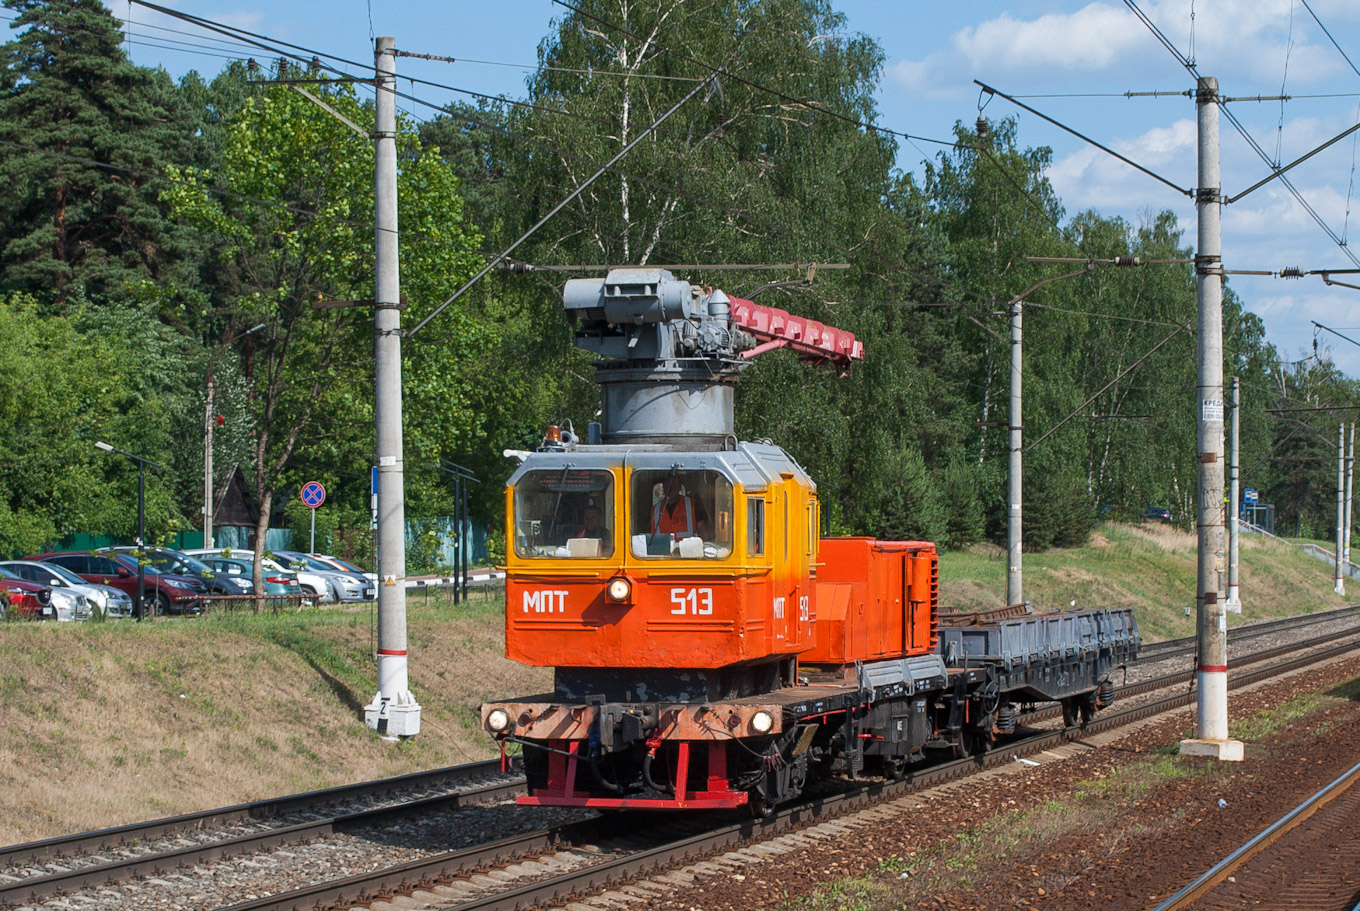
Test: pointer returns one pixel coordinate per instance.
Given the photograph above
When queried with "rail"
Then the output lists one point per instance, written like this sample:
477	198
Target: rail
406	878
1290	821
86	842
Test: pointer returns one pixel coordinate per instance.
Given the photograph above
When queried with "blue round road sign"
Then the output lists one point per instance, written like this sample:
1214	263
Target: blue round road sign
313	494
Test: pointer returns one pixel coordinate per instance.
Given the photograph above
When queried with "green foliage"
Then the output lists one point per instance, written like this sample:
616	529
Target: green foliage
86	133
98	374
133	290
309	370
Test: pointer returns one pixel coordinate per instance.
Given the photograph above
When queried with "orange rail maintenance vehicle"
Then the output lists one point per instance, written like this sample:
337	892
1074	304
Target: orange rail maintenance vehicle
710	649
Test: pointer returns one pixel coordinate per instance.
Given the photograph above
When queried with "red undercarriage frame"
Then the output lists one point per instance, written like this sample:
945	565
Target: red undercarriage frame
562	764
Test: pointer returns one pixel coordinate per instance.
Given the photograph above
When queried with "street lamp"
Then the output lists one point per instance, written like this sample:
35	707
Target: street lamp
208	424
141	513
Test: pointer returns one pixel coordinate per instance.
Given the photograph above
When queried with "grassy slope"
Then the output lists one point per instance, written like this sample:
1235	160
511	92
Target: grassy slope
110	723
1148	567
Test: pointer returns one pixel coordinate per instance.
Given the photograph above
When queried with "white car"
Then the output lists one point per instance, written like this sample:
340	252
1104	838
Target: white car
311	583
72	597
346	567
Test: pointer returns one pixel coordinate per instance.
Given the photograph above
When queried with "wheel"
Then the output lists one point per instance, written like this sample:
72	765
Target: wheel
1071	712
163	604
1088	711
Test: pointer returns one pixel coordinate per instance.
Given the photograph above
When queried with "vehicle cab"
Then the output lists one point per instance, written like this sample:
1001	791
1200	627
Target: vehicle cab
628	556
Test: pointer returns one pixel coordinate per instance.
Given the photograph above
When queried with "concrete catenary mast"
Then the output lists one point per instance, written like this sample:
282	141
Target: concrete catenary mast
1211	722
393	711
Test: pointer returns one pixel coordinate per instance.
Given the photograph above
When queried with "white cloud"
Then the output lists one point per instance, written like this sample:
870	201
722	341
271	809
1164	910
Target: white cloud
1092	38
1242	42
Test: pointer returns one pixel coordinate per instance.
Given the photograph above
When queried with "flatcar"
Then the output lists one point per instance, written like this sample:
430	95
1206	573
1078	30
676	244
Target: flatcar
710	649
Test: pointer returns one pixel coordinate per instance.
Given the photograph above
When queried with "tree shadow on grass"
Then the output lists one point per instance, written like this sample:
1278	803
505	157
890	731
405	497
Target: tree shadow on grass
1349	690
337	686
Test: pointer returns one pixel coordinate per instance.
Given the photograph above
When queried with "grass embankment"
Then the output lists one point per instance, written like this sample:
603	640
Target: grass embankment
108	723
115	722
1148	567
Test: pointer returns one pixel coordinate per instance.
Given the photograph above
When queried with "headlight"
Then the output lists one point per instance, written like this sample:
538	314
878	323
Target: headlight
350	580
619	589
64	599
239	583
762	722
497	720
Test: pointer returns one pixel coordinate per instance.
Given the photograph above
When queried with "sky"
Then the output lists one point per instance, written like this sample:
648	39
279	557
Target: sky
1088	53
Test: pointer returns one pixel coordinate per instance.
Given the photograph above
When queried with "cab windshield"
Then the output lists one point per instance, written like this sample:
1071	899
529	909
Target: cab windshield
679	513
565	513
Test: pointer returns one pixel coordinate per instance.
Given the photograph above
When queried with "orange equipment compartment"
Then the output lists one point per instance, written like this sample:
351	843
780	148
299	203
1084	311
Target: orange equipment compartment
875	599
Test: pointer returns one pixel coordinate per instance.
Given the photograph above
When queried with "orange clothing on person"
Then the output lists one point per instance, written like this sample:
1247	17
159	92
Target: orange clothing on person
673	520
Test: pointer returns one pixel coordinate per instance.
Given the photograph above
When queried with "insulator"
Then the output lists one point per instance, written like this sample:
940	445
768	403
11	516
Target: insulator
982	128
1127	261
1291	272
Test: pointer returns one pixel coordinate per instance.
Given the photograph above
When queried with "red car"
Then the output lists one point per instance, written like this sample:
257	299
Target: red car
173	594
25	599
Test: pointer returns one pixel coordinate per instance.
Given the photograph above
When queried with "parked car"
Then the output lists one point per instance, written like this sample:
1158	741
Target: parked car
276	581
1156	514
312	583
346	566
108	601
346	586
173	594
181	564
67	603
25	599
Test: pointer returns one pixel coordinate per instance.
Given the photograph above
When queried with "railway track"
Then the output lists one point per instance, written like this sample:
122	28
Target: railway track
37	870
1306	860
546	859
1169	648
456	882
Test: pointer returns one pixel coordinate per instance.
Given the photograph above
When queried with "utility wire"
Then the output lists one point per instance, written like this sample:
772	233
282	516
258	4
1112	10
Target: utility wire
273	47
810	105
1343	54
1052	430
540	68
1190	67
1084	138
560	206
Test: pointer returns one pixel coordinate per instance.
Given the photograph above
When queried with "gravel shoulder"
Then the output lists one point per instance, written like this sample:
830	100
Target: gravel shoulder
1121	821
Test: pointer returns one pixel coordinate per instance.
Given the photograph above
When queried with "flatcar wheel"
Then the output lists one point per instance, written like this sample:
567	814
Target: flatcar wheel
1071	712
1088	710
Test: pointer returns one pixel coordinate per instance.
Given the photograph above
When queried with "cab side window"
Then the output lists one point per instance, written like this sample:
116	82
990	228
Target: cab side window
755	527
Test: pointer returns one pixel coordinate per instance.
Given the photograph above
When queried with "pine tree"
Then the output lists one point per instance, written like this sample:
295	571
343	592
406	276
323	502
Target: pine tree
84	131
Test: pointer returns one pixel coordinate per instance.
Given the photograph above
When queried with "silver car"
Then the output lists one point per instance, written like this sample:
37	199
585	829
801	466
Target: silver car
345	586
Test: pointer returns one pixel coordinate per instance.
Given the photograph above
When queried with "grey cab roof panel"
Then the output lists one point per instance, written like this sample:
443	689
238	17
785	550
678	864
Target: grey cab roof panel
752	465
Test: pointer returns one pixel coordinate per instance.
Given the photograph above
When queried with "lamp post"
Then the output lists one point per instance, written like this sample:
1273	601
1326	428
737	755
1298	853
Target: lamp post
208	425
461	478
141	513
